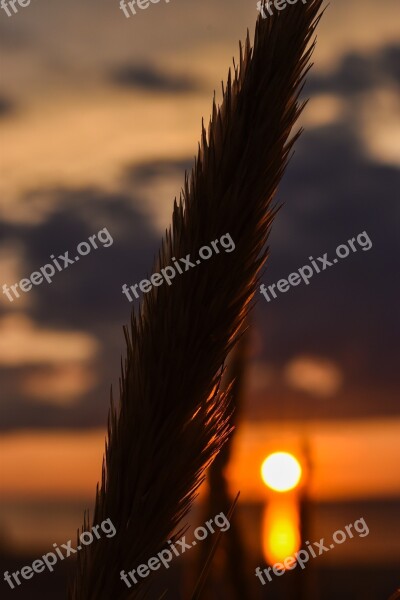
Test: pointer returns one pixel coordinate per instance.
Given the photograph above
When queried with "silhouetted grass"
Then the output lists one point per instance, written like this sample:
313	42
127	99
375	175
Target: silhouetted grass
172	417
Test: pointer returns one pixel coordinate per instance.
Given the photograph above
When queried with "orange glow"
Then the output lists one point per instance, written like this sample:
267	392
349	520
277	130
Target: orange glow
63	464
54	463
281	471
280	530
345	463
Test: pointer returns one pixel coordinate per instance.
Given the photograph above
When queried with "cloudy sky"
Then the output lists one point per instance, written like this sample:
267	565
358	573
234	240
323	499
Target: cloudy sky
99	118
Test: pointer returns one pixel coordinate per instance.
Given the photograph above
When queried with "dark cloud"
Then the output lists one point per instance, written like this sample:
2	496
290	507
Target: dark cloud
149	78
7	107
348	313
92	286
390	61
145	172
332	191
11	38
85	297
358	73
17	411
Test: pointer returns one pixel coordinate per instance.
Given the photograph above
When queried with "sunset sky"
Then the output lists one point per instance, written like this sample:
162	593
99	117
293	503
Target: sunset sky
99	118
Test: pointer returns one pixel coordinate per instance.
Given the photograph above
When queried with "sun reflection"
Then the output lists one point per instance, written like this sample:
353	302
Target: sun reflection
280	530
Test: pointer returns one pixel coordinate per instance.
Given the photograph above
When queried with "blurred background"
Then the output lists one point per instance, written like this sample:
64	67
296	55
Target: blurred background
99	118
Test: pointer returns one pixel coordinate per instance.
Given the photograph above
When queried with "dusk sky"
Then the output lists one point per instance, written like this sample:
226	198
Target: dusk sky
100	115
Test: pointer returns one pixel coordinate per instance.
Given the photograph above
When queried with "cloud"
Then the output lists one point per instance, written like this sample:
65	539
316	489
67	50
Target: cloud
151	79
390	61
7	107
314	375
84	300
332	192
62	384
147	171
155	180
357	73
22	342
92	287
325	109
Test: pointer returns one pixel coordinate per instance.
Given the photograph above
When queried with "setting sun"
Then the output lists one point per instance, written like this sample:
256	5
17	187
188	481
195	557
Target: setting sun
281	471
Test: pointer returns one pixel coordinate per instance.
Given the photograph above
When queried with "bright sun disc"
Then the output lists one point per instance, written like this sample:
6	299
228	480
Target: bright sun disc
281	471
